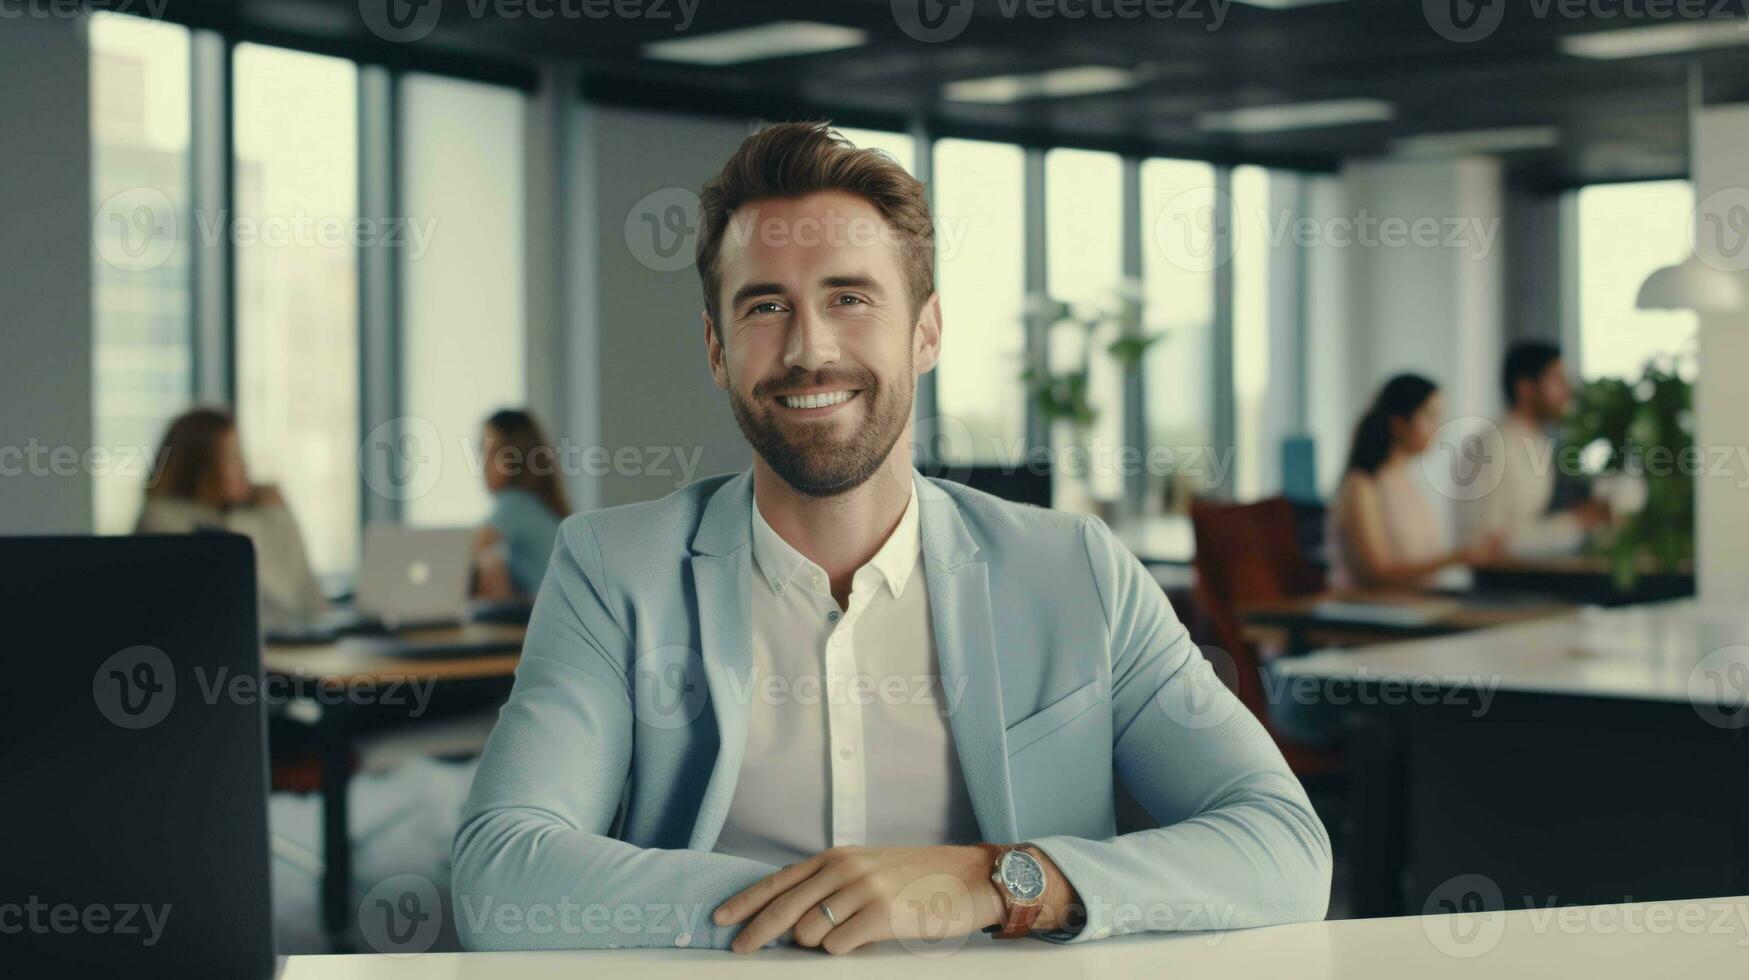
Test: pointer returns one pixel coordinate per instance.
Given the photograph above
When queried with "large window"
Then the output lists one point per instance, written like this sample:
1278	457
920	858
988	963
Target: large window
1178	295
1084	222
462	299
143	371
294	232
981	261
1252	221
1626	232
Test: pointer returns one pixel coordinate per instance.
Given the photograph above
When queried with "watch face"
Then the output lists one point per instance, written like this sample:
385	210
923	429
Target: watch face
1022	875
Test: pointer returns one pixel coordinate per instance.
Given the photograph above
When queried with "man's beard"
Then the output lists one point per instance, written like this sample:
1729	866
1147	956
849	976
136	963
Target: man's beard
816	461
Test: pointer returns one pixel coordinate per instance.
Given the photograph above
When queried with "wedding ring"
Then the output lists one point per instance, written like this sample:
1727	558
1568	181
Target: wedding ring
829	916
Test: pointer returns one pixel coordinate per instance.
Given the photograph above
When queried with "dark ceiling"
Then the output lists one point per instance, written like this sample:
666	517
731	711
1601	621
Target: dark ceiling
1618	120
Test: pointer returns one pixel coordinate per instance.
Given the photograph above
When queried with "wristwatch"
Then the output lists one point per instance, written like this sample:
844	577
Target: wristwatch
1021	881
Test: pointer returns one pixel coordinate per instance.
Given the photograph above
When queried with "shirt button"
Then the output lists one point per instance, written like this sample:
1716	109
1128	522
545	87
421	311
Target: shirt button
778	586
684	939
846	752
832	616
817	581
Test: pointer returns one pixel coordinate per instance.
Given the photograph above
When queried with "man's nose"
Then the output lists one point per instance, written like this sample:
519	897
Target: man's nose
811	342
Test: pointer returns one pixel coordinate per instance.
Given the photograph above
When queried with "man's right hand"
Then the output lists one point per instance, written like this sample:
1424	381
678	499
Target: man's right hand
1592	513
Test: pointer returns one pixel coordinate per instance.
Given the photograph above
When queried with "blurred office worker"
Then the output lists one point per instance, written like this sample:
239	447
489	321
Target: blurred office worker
513	547
1516	468
830	699
1383	531
200	482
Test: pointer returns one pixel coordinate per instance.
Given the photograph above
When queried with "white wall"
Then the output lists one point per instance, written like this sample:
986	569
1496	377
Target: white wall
636	379
1435	307
45	276
1721	398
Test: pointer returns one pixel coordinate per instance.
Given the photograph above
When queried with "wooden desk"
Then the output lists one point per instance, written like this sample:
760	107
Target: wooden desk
334	684
1590	757
1626	942
1307	625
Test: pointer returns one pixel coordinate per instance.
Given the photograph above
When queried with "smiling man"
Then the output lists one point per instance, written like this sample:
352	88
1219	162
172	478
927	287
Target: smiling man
831	701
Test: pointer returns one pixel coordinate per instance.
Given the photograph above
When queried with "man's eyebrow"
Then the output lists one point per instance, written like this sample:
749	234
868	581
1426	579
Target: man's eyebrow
753	289
852	282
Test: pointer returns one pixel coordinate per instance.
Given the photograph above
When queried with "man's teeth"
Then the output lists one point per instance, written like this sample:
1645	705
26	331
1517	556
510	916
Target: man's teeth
815	401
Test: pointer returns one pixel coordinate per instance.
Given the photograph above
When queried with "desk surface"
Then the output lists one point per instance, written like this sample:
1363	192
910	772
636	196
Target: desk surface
1158	538
472	651
1708	937
1669	651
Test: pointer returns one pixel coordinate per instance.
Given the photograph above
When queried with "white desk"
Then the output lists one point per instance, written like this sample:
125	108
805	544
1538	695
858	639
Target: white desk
1667	651
1655	939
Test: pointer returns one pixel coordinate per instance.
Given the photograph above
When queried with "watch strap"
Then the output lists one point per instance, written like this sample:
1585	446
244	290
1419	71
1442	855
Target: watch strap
1018	917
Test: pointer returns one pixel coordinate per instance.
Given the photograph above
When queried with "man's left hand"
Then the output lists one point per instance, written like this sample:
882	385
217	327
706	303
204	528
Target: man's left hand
875	893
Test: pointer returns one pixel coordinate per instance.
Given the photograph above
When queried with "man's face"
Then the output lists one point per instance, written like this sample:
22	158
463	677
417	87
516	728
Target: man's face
1554	393
820	343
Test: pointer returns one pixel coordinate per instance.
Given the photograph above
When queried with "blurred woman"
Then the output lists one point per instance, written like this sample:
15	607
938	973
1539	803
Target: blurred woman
1383	532
513	547
199	482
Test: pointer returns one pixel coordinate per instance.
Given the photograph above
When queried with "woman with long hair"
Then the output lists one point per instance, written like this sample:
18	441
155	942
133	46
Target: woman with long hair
199	482
521	468
1383	533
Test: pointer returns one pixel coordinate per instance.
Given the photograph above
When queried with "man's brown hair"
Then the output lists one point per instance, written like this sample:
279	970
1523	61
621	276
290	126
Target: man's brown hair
795	159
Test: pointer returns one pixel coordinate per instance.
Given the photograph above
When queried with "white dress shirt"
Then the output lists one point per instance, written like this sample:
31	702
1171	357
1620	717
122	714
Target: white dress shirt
1517	473
847	738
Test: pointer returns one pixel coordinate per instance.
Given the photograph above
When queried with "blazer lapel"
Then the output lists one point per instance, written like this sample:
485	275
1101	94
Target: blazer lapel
965	644
721	565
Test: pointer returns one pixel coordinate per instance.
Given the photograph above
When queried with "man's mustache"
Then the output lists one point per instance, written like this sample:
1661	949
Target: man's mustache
772	387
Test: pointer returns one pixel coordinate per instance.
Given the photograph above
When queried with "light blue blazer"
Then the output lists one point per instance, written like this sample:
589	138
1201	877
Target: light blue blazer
607	779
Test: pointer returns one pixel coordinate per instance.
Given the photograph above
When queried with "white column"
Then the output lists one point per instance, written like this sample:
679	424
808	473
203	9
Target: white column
1721	399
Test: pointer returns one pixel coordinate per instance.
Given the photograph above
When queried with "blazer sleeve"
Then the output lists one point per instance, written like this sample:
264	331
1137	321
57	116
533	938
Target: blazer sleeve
1238	843
535	866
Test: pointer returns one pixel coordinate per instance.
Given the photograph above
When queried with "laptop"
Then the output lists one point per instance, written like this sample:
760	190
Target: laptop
414	576
133	759
409	578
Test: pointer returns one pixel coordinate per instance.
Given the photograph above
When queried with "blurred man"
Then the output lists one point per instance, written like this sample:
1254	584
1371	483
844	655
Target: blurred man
832	700
1518	460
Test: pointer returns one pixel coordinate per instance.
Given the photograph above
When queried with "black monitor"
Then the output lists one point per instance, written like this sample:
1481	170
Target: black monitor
133	759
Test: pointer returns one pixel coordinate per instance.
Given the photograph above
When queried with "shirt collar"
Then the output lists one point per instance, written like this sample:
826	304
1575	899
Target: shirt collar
782	564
